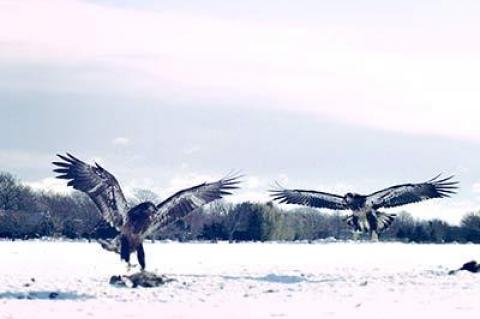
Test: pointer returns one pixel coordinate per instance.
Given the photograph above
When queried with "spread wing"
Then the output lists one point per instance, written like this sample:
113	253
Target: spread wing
411	193
98	183
309	198
185	201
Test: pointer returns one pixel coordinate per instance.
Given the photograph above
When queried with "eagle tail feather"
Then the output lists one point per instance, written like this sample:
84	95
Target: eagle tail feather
384	220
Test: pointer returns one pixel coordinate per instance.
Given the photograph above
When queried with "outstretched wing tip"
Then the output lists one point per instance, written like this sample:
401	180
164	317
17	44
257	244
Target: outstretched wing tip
63	157
234	173
435	178
60	167
437	187
230	182
276	188
67	158
446	187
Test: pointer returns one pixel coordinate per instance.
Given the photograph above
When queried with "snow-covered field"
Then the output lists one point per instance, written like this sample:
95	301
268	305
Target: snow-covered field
272	280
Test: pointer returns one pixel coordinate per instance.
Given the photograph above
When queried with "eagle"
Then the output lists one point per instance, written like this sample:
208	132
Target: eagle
134	224
365	213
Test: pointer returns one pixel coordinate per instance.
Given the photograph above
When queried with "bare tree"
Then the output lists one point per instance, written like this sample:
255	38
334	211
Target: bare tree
471	221
10	192
141	195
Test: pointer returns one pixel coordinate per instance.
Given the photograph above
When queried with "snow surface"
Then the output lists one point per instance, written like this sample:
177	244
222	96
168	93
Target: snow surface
251	280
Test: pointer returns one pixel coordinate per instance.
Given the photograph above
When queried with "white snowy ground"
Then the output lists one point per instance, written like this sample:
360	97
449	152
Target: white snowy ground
272	280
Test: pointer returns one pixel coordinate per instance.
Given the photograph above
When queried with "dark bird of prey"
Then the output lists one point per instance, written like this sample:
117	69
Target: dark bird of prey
365	215
135	223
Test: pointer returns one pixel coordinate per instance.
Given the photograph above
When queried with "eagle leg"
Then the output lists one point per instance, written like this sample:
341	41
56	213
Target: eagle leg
372	221
141	256
124	249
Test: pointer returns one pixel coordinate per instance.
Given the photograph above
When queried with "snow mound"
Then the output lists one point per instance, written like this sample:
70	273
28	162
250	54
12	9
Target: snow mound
140	279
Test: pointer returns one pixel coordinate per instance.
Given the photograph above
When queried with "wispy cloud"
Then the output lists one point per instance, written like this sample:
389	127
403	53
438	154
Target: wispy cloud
192	149
121	141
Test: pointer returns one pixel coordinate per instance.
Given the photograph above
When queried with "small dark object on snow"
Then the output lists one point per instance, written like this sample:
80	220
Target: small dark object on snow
140	279
471	266
28	284
53	295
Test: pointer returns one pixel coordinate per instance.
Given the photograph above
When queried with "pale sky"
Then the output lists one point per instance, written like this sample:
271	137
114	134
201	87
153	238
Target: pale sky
330	95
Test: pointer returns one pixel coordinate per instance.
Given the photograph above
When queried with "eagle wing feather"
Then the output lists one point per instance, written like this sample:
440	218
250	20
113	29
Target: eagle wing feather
309	198
185	201
101	186
411	193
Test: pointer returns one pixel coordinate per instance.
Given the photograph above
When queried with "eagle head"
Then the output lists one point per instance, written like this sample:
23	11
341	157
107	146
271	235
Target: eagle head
142	214
148	207
354	201
349	198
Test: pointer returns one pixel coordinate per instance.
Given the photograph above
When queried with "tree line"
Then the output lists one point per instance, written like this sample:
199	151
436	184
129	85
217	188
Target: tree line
25	213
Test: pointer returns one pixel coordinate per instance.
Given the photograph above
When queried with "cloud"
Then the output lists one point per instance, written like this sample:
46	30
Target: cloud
50	184
187	180
345	71
192	149
121	141
253	188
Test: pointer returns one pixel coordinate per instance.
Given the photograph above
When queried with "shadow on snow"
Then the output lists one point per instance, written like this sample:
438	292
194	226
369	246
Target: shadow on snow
271	278
43	295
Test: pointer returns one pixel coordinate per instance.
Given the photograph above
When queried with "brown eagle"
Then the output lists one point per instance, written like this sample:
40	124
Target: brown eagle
135	223
365	216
